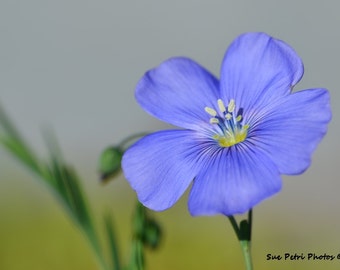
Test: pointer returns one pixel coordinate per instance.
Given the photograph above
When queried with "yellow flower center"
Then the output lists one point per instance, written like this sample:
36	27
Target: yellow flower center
232	131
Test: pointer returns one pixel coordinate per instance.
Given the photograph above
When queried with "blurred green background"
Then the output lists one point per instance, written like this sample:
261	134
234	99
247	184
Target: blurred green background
73	66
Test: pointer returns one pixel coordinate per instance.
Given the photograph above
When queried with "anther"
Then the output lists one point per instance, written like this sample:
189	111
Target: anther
221	105
214	121
231	105
210	111
231	131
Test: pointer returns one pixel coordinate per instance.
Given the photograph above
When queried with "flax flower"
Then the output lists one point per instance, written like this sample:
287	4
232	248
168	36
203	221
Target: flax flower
238	134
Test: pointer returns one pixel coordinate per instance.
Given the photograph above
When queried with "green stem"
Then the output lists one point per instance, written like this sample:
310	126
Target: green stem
245	246
250	223
235	226
124	144
137	256
243	233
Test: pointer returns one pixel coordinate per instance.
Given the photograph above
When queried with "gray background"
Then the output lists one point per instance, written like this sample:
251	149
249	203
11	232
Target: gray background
73	66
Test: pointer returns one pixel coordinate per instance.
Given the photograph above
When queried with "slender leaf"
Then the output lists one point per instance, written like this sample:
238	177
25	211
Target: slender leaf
110	233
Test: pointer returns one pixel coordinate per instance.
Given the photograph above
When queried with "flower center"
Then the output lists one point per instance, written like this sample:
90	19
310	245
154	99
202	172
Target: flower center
232	131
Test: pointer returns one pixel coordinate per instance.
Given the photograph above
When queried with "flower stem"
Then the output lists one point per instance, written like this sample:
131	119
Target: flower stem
243	233
124	144
245	246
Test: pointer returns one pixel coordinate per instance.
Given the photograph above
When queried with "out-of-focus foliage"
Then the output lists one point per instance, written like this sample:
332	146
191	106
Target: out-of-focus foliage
66	185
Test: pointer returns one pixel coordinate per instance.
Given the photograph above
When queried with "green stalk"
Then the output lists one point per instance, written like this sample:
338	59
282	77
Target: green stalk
245	246
243	233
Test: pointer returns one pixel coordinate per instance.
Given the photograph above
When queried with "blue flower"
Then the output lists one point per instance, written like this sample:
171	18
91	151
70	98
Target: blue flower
240	133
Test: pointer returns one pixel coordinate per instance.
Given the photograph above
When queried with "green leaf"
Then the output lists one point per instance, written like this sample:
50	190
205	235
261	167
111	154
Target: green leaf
110	232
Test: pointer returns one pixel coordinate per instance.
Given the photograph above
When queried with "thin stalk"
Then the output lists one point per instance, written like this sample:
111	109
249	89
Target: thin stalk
124	144
245	246
243	233
235	226
250	223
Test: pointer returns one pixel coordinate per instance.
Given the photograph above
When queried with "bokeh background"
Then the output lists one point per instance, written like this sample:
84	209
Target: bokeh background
72	66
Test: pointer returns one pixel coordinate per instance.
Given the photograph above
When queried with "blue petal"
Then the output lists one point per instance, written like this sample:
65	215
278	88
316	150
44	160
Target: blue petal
257	69
290	131
161	166
235	181
177	91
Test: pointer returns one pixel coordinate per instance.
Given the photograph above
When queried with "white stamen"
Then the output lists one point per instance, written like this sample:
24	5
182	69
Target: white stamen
230	130
231	106
228	116
214	121
221	105
210	111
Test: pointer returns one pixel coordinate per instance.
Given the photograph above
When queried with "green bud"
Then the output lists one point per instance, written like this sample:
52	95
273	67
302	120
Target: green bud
152	234
110	163
146	229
